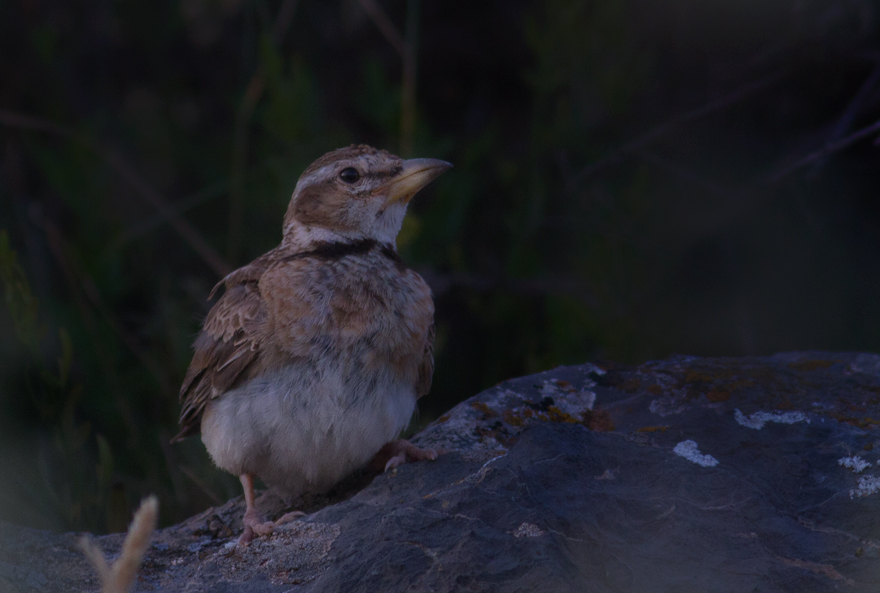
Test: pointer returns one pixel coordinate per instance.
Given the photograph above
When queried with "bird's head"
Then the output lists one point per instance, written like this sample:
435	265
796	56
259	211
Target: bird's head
357	192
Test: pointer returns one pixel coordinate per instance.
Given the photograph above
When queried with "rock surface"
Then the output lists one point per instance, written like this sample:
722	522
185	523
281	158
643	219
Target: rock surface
690	474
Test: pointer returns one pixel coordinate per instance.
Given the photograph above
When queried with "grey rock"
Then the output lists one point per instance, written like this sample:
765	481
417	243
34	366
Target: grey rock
689	474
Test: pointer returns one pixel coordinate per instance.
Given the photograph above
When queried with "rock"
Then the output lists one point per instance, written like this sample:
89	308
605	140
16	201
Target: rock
690	474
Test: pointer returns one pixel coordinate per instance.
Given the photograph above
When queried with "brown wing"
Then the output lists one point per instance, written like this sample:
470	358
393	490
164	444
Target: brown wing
226	348
426	367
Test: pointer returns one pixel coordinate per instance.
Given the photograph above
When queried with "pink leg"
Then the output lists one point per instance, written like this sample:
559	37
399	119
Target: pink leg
399	452
253	523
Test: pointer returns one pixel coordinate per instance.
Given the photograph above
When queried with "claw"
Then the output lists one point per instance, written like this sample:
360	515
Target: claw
402	451
253	522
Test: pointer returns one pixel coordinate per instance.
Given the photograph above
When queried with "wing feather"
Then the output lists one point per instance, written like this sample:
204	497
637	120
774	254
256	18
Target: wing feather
226	348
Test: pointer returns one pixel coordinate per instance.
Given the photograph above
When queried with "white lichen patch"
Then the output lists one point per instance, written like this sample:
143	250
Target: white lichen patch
867	485
855	463
690	451
759	419
528	530
667	406
568	399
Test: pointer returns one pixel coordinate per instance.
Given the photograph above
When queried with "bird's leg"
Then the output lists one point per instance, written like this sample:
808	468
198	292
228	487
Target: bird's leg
399	452
253	522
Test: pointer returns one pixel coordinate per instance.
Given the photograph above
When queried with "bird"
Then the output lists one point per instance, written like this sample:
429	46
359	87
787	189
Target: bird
310	363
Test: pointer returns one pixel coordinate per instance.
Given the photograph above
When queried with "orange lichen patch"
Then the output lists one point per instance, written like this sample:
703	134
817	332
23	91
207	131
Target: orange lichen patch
484	409
544	411
652	429
858	422
812	365
655	389
443	418
727	375
598	420
498	432
513	419
866	422
565	386
700	382
718	396
868	447
554	414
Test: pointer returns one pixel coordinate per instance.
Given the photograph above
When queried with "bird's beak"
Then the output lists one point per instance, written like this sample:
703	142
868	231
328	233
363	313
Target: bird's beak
416	174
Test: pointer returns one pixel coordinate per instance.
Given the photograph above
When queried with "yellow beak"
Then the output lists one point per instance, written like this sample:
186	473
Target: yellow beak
416	174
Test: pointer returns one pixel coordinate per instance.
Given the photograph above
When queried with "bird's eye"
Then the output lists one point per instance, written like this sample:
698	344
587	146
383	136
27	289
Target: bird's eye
349	175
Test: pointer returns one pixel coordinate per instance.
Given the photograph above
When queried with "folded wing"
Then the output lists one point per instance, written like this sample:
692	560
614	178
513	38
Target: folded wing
228	347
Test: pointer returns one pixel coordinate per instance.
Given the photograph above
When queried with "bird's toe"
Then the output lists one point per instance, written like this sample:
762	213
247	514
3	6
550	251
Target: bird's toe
402	451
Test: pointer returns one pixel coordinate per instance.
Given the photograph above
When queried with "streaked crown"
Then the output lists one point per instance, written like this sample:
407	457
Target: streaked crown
355	193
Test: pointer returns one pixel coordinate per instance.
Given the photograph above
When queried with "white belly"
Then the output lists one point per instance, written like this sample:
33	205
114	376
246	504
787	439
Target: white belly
302	430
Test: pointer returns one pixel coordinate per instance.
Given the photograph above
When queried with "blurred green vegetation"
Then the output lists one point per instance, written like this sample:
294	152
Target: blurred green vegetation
632	179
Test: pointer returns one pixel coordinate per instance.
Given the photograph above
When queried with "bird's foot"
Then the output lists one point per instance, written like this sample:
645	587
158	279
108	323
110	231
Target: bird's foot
399	452
254	525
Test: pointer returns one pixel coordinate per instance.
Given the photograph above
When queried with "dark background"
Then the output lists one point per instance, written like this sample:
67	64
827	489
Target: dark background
632	179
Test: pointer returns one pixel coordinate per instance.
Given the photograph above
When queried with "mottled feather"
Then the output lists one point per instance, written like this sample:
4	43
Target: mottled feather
228	344
298	310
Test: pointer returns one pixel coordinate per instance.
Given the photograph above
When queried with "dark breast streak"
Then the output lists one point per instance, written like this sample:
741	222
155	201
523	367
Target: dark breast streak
327	251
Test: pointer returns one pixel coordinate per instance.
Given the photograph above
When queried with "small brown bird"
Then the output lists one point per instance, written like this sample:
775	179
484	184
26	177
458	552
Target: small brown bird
313	358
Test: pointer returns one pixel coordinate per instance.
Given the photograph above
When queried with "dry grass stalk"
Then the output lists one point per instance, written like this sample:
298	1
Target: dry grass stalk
120	577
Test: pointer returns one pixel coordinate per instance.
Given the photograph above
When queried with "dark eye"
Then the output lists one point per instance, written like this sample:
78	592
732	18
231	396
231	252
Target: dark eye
349	175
